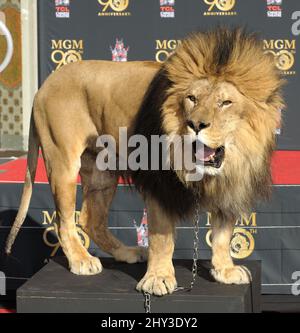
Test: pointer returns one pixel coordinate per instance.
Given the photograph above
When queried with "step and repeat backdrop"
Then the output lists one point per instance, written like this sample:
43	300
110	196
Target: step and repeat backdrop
127	30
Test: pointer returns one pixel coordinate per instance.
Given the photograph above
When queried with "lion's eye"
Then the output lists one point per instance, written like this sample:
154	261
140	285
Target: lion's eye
226	103
192	98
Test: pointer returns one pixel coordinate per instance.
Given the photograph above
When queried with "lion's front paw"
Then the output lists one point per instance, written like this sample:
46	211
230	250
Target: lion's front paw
86	266
157	284
232	275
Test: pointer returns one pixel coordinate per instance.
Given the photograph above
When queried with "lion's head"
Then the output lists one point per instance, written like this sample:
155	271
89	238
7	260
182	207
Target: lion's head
220	88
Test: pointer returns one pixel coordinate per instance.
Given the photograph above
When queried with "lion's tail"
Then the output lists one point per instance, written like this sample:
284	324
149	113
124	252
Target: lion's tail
32	159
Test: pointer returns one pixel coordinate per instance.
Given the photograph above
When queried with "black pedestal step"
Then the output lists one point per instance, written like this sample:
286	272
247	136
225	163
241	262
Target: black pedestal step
55	289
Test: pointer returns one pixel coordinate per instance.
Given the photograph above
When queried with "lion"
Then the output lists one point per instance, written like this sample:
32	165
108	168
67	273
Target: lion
218	87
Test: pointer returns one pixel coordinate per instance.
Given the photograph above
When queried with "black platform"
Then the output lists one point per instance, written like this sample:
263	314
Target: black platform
55	289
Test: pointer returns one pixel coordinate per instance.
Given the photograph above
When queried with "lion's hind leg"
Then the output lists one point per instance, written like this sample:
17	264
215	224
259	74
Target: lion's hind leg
63	180
224	270
99	188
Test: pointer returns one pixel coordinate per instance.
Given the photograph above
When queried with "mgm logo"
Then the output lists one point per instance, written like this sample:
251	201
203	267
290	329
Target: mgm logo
284	51
66	51
114	8
242	241
220	8
51	231
164	48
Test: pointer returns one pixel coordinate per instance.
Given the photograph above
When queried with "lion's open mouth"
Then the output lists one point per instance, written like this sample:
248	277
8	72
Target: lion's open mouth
209	156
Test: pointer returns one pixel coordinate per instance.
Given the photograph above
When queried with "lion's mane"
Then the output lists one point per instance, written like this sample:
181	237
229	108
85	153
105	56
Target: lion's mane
224	55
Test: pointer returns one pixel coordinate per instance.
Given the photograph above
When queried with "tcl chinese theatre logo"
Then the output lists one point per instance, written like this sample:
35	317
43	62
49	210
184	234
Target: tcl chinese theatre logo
62	8
164	48
51	231
220	8
284	51
274	8
66	51
167	8
242	241
114	8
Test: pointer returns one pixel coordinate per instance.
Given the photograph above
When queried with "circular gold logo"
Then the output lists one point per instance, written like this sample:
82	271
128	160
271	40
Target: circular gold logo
62	58
242	243
225	5
119	5
72	56
284	60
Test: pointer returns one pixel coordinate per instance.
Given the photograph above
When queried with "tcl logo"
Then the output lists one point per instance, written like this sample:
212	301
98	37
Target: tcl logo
62	9
166	9
274	8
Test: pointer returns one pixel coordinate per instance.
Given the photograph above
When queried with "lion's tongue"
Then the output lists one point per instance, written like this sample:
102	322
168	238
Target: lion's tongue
205	154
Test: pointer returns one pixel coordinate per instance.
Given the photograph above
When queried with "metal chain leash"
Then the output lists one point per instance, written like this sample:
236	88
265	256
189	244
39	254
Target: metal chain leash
147	296
195	250
147	302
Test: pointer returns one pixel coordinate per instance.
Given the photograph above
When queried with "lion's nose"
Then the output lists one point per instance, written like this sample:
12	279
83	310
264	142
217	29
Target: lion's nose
197	127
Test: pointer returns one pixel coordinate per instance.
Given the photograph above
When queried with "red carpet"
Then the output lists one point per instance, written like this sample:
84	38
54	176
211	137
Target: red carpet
7	311
285	169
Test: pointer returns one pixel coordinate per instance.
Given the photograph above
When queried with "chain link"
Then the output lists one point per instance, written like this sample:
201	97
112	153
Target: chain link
147	296
147	304
195	249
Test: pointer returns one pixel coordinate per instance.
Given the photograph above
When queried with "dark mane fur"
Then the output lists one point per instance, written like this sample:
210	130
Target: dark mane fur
159	184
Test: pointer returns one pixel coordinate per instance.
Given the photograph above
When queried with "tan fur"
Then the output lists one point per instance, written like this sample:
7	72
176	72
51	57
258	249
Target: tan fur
81	101
223	268
74	106
160	276
248	65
